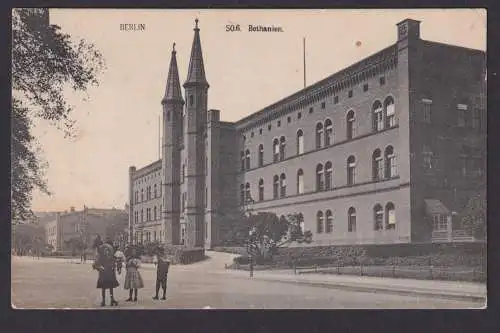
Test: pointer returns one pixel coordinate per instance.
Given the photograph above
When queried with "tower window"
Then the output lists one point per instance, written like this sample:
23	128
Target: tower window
191	100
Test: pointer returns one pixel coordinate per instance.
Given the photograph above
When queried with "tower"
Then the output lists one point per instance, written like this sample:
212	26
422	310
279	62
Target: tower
172	104
196	88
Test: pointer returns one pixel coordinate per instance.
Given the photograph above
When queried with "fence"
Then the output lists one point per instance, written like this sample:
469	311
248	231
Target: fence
460	273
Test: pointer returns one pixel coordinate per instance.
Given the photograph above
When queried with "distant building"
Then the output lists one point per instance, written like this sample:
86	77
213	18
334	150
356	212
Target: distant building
382	152
82	225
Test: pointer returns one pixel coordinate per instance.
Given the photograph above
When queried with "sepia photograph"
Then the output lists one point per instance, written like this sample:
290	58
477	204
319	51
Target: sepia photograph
248	159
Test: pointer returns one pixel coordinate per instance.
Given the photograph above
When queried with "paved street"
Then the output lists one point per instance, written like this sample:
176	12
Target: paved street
59	283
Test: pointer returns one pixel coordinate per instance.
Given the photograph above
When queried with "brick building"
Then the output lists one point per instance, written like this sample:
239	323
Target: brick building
385	151
83	225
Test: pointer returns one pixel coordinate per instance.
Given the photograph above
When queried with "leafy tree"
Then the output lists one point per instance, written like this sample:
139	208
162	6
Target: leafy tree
474	215
44	62
268	233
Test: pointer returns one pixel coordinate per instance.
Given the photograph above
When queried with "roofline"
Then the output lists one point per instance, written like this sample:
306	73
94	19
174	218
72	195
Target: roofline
310	88
454	46
152	166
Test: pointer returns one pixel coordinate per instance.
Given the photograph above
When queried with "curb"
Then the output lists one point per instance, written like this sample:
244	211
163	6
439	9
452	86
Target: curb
472	298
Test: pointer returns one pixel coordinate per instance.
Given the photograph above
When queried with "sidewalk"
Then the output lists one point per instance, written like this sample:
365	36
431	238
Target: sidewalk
429	288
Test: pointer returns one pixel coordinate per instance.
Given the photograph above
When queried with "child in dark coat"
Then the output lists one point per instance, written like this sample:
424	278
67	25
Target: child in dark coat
162	266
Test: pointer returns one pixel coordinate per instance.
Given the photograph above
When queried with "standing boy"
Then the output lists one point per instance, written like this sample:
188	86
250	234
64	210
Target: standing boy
162	267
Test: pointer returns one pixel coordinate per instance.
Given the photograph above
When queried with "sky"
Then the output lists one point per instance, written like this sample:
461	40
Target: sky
118	124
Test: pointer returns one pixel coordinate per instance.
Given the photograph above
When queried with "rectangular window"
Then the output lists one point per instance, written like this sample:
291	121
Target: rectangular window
365	87
311	110
426	110
391	218
476	119
289	119
382	80
390	115
206	230
379	119
336	100
323	105
279	123
461	115
349	94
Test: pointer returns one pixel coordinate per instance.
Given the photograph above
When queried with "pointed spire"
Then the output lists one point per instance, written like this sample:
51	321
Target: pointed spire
196	71
173	89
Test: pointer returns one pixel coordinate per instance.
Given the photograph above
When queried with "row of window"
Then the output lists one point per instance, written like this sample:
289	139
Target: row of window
324	134
469	165
145	237
147	178
51	231
323	106
149	195
465	118
383	168
151	215
381	219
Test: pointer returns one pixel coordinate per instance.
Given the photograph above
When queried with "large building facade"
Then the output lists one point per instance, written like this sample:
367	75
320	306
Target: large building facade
83	225
386	151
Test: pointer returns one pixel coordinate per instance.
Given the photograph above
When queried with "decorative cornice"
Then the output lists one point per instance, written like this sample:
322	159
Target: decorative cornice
373	65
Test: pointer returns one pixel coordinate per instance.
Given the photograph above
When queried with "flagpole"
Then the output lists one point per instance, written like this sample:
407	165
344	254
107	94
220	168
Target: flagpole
304	56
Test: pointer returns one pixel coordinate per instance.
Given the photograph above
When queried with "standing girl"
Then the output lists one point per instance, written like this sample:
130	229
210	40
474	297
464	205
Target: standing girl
133	279
105	265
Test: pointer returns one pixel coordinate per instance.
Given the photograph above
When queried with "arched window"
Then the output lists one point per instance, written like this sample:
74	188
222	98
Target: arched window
390	216
377	165
351	170
390	162
276	184
155	191
351	125
300	142
319	222
378	116
282	148
300	181
328	176
261	155
319	178
247	159
283	185
248	195
142	215
242	194
328	132
319	135
329	221
261	189
276	150
351	220
378	218
154	213
142	194
183	172
242	155
390	112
